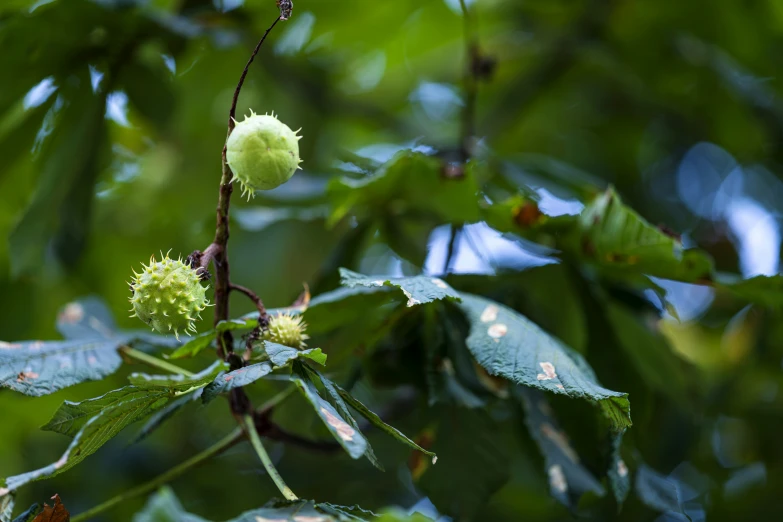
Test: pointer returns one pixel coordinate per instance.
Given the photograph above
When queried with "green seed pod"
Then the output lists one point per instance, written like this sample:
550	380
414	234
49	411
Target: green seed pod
168	296
263	153
287	330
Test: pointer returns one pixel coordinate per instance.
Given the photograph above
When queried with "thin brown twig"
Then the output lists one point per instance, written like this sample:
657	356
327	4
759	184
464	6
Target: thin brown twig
262	315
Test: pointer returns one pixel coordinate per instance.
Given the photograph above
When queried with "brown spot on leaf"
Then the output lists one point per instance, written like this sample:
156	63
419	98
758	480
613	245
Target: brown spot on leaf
72	313
440	283
453	170
53	513
549	371
557	479
26	376
343	430
528	214
497	330
489	314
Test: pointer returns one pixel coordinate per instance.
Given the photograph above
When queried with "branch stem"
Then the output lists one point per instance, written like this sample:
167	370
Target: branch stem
154	362
164	478
253	297
255	441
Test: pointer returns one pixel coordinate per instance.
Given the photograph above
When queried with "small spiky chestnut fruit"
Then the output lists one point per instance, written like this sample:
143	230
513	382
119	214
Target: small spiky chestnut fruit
288	330
263	153
168	295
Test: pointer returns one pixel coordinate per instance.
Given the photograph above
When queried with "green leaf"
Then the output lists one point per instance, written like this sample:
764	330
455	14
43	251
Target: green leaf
235	379
42	367
338	403
6	508
660	367
396	515
464	439
349	438
193	347
418	289
86	318
657	491
506	343
93	423
178	382
568	478
335	391
29	514
61	206
413	180
764	290
615	236
157	419
281	355
89	354
164	506
149	91
619	477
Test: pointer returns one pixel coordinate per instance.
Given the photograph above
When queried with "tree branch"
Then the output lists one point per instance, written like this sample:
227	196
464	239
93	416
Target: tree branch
262	315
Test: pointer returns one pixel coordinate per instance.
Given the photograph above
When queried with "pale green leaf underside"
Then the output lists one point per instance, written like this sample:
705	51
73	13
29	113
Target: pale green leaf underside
418	289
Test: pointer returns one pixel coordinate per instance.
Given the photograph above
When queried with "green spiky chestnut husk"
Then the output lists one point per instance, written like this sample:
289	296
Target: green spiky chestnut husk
168	296
287	330
263	153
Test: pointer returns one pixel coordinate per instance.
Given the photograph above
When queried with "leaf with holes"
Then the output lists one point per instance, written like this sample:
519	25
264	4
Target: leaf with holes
92	423
508	344
568	478
418	289
349	438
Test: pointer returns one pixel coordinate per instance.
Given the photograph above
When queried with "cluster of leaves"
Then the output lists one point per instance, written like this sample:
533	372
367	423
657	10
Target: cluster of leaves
495	362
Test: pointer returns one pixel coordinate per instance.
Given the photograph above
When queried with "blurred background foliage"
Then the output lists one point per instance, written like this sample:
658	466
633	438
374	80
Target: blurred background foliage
112	116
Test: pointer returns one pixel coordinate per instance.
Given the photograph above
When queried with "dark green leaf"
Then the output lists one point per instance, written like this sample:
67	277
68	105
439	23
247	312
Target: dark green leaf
410	179
568	478
178	382
658	492
235	379
349	438
149	91
418	289
30	514
157	419
281	355
41	367
93	423
342	408
194	346
86	318
654	359
61	207
164	506
464	439
506	343
619	477
376	421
